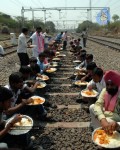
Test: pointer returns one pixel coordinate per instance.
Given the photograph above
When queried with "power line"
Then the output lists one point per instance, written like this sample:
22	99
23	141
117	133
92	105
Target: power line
15	3
95	2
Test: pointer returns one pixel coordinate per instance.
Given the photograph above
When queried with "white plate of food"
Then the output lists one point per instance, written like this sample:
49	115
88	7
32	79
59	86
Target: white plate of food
21	127
54	64
56	59
51	70
79	73
101	138
42	77
57	53
61	55
36	100
76	61
79	83
32	46
41	85
89	93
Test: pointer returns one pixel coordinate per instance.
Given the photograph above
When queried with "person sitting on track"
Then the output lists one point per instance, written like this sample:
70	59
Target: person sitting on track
97	81
89	70
88	59
17	86
105	112
26	71
41	64
6	140
33	60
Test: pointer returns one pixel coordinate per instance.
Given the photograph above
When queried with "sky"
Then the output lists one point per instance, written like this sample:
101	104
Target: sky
73	17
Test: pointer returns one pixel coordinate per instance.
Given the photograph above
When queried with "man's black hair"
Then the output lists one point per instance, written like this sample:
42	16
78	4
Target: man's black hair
25	69
15	77
35	68
98	71
91	66
33	59
42	54
83	55
5	94
38	28
89	56
83	51
24	30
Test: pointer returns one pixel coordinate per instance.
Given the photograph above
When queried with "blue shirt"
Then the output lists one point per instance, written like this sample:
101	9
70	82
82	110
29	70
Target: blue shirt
41	65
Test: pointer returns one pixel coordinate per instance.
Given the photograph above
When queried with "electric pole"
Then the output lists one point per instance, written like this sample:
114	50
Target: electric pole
90	11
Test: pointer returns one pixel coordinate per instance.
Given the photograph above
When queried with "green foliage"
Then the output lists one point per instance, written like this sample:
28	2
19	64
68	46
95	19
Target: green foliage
87	25
39	23
51	26
115	26
5	30
16	23
115	18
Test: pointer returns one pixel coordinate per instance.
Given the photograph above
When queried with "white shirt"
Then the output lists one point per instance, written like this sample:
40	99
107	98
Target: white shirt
22	44
38	42
82	65
64	36
15	95
46	38
100	85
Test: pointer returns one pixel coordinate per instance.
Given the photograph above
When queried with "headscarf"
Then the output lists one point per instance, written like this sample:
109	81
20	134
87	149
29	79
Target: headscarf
114	76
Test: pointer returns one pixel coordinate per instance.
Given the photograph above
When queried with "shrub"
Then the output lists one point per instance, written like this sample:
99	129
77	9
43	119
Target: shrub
5	30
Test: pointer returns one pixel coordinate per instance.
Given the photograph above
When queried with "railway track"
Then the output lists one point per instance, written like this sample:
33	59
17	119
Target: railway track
69	129
10	50
112	43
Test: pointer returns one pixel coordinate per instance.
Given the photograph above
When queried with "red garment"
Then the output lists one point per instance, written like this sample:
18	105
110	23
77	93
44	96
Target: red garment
114	76
46	61
110	102
40	42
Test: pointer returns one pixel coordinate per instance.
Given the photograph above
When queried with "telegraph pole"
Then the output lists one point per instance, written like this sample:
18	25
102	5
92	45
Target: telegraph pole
22	15
90	11
44	16
33	17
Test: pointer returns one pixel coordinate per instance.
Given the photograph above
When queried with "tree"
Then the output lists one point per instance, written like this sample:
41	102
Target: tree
50	25
87	25
115	17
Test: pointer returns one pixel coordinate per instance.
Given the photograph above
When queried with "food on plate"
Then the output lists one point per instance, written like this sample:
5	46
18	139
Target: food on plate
89	92
76	61
41	85
23	122
81	83
36	101
79	73
51	70
56	59
42	77
101	138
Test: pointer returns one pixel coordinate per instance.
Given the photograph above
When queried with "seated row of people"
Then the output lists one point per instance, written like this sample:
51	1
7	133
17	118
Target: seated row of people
105	109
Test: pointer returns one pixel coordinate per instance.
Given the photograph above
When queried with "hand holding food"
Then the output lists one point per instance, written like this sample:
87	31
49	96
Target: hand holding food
106	126
17	118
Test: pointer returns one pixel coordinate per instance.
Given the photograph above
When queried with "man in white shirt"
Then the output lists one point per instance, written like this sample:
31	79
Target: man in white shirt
22	48
38	40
